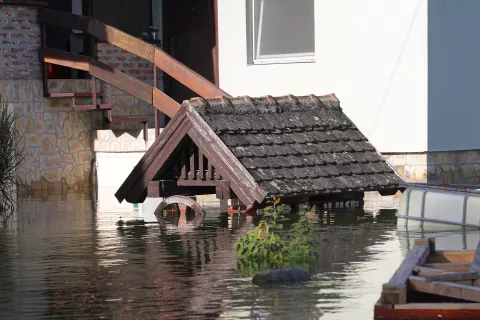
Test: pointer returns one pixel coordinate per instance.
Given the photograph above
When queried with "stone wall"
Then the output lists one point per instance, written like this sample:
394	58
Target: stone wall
446	167
19	42
58	148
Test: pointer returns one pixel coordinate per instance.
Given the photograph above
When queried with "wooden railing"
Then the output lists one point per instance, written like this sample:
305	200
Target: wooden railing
122	81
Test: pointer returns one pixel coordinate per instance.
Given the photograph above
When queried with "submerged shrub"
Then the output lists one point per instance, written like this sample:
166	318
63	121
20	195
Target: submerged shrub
269	244
11	156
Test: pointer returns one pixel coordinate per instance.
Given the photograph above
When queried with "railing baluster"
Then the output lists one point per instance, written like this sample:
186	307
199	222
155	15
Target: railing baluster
201	171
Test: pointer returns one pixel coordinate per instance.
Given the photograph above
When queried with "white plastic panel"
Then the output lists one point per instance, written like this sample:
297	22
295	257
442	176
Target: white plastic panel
444	206
473	210
403	203
415	203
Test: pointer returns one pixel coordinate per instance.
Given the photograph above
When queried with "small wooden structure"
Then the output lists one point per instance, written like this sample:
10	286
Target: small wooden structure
302	149
433	284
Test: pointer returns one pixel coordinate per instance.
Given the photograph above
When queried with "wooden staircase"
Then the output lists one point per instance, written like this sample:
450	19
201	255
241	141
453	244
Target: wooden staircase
100	71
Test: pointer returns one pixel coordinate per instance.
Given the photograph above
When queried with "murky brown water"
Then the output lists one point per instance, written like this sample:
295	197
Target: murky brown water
62	261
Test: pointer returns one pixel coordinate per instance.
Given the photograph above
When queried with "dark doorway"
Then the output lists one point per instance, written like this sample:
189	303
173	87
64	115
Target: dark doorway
190	36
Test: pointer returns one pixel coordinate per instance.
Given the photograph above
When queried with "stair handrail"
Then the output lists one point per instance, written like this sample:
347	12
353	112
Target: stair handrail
127	42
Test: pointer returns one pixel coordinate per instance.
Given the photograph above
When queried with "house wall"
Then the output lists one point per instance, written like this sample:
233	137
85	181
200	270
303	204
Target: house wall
454	75
372	54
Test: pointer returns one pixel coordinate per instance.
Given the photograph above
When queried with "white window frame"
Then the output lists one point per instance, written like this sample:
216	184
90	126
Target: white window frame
272	59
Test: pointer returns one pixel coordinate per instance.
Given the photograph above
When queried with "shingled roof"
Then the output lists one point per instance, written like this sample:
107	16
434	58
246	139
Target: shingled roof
294	146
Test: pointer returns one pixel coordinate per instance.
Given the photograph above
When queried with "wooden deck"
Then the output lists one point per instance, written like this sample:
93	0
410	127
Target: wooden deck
432	284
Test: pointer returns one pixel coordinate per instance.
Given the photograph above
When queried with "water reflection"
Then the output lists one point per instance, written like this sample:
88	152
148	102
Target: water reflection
65	261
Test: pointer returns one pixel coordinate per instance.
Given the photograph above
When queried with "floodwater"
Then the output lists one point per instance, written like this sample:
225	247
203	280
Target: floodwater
61	260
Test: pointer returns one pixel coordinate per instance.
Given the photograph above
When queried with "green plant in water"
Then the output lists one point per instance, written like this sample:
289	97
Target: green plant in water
269	244
11	156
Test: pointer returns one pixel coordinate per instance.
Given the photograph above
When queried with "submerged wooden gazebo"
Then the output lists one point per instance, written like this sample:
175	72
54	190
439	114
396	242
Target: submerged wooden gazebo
296	148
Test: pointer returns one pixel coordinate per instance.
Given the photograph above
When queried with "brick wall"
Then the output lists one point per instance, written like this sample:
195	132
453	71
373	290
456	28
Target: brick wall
19	42
123	104
126	62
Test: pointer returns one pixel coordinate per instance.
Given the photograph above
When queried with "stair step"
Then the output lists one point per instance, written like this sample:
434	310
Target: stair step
130	119
74	95
92	107
142	119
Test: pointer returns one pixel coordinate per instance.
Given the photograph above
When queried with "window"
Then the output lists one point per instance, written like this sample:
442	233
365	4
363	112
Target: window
281	31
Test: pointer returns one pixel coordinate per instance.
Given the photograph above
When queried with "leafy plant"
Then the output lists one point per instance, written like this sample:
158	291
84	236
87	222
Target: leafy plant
11	156
270	244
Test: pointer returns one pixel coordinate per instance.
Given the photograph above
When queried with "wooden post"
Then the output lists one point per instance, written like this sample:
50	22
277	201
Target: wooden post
44	65
156	113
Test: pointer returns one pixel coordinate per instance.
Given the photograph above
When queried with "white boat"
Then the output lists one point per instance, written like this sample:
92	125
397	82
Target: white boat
432	208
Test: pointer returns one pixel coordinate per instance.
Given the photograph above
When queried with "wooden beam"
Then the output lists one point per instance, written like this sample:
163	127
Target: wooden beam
223	190
164	103
187	76
452	290
168	188
395	291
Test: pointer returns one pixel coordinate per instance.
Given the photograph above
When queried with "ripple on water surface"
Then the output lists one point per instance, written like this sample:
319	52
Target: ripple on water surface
61	260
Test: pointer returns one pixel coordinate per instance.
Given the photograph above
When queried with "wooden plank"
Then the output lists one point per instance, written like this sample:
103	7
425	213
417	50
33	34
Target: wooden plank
395	291
164	103
63	19
121	39
447	289
462	256
66	59
167	188
425	314
122	81
453	276
456	267
186	76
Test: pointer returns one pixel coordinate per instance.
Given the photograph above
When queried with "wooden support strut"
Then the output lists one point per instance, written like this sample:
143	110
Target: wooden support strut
395	291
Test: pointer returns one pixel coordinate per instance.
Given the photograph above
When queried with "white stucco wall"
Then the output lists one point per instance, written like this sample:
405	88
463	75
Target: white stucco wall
454	75
372	54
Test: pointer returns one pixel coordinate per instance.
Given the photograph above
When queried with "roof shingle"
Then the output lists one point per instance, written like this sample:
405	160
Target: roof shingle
297	145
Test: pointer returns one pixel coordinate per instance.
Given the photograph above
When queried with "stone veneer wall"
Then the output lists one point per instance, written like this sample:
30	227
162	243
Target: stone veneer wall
124	104
443	167
57	140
